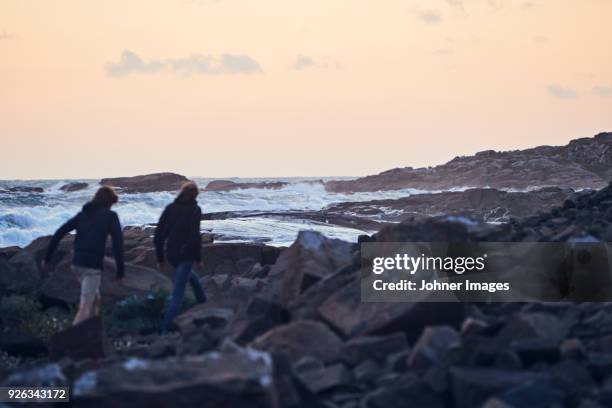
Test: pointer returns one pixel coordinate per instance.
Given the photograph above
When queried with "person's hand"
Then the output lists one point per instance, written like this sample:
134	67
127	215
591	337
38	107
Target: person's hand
44	266
198	266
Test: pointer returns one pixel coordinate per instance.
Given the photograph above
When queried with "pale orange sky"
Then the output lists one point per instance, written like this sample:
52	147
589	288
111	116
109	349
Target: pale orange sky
293	88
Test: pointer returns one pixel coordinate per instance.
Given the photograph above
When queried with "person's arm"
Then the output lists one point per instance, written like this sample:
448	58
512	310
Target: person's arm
117	237
197	236
70	225
161	233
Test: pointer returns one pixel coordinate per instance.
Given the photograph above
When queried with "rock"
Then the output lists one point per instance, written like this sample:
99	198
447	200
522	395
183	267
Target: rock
25	189
236	258
571	166
260	316
228	185
533	325
433	346
19	343
8	252
161	348
473	326
49	375
325	378
306	305
239	378
484	204
373	347
301	338
309	259
85	340
147	183
203	315
473	386
20	273
536	394
573	349
74	186
62	285
532	351
403	390
351	317
367	371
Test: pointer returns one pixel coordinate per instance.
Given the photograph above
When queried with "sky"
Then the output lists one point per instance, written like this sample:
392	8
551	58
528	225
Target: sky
272	88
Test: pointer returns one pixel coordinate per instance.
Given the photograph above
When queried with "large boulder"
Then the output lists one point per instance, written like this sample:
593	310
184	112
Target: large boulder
473	386
85	340
237	378
229	185
74	186
309	259
147	183
301	338
236	258
345	311
62	285
20	273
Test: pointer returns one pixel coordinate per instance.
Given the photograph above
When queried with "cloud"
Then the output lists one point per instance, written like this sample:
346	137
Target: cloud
496	4
430	17
206	64
130	63
527	5
6	36
603	91
303	62
561	92
455	3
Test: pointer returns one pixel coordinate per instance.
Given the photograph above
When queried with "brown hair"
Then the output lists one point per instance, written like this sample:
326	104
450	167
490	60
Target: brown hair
189	190
105	196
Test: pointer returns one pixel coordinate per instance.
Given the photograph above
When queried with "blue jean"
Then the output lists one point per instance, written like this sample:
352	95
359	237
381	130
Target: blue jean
183	274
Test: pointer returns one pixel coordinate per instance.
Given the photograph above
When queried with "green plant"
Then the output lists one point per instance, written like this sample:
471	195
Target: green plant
141	314
19	312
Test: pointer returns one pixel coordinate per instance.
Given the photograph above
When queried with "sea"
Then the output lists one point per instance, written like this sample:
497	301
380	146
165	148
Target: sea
25	216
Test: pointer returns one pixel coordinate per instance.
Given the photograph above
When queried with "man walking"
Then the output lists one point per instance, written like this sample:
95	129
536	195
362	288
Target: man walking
178	240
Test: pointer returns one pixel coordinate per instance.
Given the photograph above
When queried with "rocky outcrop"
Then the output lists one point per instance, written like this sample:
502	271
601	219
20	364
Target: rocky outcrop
228	185
235	378
23	189
147	183
75	186
484	204
583	163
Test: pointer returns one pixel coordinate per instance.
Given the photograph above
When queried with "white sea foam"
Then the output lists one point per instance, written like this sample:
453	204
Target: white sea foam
27	216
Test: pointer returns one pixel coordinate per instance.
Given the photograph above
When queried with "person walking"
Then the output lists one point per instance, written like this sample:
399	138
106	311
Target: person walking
178	242
93	224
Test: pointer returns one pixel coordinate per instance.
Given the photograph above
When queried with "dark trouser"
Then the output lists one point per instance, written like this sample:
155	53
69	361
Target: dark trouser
183	274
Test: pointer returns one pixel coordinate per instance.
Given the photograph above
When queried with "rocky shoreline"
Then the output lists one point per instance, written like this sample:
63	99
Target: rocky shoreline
286	328
582	163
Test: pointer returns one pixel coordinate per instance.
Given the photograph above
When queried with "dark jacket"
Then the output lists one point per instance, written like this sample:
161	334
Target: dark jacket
179	230
93	224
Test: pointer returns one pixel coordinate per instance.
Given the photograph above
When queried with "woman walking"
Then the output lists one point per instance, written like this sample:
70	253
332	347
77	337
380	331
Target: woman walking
93	225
